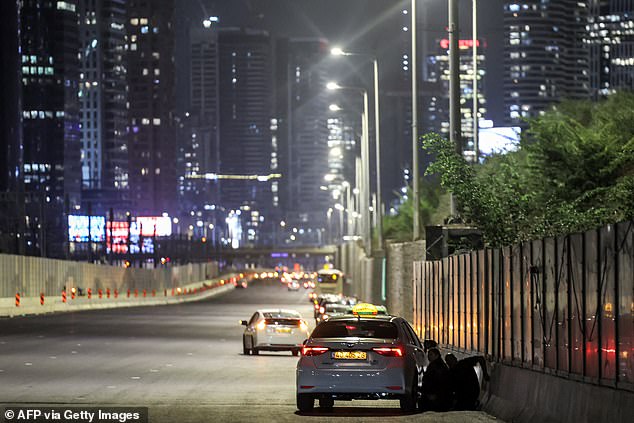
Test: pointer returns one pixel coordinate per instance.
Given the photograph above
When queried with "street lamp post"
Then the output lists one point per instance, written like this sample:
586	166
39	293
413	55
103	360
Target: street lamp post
476	126
415	187
377	140
364	181
454	86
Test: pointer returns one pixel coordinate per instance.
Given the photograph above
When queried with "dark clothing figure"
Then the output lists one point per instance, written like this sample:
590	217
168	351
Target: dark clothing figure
464	381
436	384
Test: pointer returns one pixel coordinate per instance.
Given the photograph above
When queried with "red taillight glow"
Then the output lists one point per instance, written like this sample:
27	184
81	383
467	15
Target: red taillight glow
261	325
310	351
389	351
394	387
322	310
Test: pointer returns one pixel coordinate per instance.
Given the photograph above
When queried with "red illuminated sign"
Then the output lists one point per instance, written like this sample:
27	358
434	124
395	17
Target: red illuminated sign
462	44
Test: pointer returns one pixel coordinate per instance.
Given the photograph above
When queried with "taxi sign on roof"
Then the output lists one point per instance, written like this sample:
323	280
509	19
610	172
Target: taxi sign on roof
364	309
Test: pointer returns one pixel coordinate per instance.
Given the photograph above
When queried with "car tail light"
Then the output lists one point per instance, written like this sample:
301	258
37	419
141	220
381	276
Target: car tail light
322	310
303	326
310	351
316	306
261	325
389	351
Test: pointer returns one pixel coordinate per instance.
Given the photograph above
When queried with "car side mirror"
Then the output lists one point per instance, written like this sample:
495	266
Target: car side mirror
304	342
243	322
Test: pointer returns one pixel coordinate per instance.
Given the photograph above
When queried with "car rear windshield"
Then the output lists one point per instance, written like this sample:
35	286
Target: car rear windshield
280	315
356	329
284	322
338	308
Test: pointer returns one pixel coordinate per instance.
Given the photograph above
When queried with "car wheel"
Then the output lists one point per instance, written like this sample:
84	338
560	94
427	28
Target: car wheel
245	350
326	403
305	402
295	352
409	401
255	351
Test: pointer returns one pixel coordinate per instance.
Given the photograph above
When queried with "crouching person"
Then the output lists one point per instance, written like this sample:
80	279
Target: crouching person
464	381
436	391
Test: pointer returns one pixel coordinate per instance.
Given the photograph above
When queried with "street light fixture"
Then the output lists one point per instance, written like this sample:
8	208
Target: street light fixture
337	51
365	160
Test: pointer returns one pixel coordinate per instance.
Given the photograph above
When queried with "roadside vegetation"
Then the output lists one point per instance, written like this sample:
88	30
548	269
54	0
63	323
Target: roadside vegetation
573	171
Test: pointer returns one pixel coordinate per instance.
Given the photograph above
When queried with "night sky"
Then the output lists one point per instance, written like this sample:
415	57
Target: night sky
359	25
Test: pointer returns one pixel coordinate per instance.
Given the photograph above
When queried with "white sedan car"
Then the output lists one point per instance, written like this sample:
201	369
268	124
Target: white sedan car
274	330
349	358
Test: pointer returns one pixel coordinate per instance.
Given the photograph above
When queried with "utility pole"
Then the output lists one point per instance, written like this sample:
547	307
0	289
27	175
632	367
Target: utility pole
454	85
415	188
476	120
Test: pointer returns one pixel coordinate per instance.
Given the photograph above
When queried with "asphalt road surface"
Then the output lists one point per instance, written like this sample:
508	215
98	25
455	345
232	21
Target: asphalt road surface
184	362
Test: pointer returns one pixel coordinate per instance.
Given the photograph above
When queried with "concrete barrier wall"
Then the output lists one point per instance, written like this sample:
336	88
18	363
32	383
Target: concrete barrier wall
31	276
522	395
365	275
399	269
34	279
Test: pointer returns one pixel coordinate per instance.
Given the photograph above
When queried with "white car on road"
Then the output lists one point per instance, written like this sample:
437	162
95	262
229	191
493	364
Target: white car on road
274	330
348	358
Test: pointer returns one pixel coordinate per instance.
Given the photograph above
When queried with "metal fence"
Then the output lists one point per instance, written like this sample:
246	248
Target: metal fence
31	276
562	305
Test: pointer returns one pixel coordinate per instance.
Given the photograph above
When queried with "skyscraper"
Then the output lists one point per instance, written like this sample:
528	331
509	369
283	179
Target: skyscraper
50	114
610	38
198	132
103	96
11	166
246	145
306	153
437	104
545	58
150	77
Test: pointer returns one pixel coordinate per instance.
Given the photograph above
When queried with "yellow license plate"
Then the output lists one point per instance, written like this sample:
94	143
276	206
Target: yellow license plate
283	330
350	355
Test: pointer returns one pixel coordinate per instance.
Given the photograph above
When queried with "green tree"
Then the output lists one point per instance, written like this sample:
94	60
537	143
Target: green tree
433	206
574	171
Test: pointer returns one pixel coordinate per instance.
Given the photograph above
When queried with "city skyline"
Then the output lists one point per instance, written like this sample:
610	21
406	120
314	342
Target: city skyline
144	108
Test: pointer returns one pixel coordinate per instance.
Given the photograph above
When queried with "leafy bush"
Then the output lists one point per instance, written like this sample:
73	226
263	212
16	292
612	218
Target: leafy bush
574	171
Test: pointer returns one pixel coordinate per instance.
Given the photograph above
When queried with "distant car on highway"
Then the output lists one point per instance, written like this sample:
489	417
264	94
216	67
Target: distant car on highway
274	330
242	283
356	357
333	310
293	285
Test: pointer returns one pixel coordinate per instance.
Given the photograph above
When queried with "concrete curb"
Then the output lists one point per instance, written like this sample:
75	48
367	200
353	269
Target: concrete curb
32	306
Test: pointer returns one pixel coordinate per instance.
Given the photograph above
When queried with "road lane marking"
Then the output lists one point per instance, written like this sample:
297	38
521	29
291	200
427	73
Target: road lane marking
135	377
28	364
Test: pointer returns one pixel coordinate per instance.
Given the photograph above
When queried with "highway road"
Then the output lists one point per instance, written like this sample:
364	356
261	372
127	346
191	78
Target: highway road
184	362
